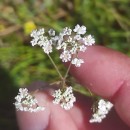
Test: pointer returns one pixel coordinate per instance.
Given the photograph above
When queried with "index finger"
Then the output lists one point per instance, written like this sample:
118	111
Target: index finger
107	73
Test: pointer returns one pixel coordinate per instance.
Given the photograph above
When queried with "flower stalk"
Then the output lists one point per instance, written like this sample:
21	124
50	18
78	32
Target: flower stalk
55	67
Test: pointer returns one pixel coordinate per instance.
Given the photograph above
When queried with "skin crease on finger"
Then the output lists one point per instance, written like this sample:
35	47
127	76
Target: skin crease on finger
107	73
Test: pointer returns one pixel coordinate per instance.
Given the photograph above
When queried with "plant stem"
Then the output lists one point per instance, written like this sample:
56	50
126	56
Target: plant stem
55	66
67	71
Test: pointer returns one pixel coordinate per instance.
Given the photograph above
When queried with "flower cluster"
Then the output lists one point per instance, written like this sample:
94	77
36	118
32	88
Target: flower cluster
103	108
69	41
65	98
26	102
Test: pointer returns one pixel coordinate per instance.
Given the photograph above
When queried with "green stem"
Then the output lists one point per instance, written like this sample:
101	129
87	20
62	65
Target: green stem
67	71
55	66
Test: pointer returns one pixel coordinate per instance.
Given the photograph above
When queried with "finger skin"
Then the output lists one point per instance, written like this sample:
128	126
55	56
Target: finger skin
107	73
55	118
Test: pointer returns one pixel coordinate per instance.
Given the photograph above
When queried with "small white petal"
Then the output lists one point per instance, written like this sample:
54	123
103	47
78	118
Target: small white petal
80	30
77	62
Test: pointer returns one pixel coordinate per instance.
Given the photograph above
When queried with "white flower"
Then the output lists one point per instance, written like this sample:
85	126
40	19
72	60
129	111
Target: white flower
38	38
37	33
57	94
26	102
80	30
103	109
34	33
65	56
59	42
82	48
34	41
66	31
47	47
41	31
18	98
23	92
65	98
55	38
109	105
96	118
51	32
40	43
77	62
89	40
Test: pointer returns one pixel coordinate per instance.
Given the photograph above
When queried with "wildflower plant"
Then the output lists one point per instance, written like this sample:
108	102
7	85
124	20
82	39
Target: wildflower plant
69	42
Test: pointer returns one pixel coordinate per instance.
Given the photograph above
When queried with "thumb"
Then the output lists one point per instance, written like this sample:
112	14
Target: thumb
107	73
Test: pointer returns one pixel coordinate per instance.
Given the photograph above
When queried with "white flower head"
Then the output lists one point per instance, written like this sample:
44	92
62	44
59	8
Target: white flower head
77	62
38	38
41	31
80	30
23	92
51	32
26	102
103	109
89	40
37	33
69	42
34	41
47	47
82	48
65	56
66	31
65	98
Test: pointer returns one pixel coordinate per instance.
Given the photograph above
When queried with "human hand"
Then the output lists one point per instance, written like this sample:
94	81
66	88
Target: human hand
106	73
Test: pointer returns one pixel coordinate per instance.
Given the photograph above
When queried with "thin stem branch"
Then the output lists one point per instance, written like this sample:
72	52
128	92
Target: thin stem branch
67	71
55	66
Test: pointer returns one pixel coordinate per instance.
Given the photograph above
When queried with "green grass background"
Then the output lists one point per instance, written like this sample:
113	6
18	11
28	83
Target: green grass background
20	64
